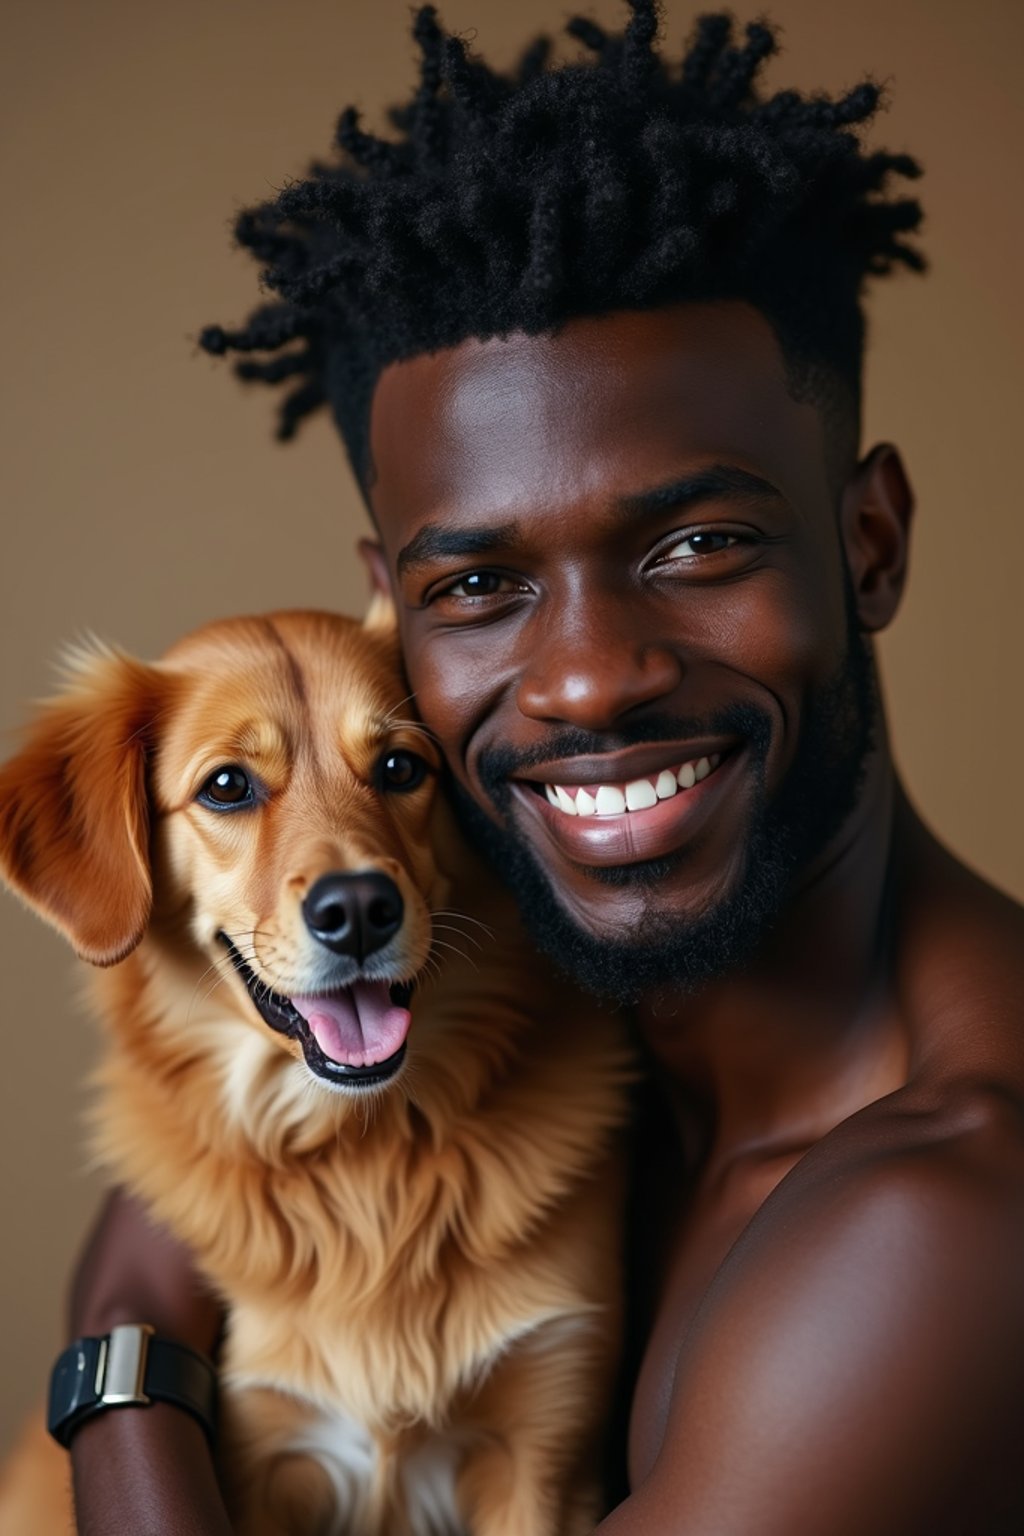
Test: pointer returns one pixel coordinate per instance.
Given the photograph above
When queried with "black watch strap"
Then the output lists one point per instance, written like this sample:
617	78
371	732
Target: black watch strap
129	1367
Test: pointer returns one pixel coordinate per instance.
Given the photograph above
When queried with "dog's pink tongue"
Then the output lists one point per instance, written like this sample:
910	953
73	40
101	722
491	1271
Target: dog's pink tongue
358	1025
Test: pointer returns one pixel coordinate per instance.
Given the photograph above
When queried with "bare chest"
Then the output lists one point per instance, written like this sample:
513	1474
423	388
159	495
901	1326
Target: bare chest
704	1232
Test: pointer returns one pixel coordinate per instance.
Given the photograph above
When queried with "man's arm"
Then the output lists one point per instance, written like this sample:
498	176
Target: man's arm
144	1470
857	1366
859	1362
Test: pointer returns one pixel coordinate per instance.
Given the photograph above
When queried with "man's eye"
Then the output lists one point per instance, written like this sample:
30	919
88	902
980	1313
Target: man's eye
694	544
481	584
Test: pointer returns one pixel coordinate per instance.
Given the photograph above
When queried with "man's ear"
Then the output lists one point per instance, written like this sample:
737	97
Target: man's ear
74	818
381	613
875	516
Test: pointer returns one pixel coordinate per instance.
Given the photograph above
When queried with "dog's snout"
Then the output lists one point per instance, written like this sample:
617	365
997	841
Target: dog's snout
353	914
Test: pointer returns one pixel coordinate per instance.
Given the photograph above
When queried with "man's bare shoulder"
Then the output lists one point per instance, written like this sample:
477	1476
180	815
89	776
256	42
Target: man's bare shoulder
858	1362
939	1161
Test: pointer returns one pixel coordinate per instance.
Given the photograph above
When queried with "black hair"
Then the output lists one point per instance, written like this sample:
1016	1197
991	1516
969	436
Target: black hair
514	202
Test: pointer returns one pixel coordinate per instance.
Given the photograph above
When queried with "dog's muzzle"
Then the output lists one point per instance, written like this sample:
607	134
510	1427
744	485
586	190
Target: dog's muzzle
352	1037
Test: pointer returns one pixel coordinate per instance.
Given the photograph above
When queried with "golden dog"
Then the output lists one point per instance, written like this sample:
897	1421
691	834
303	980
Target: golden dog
413	1218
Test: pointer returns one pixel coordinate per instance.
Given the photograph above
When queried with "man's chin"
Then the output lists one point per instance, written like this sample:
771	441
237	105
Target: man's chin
623	971
598	945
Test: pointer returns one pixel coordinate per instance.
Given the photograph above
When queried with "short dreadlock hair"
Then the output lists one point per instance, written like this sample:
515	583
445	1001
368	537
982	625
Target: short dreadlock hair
514	202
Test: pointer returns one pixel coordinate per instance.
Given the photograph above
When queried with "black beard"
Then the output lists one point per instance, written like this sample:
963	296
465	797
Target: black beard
819	792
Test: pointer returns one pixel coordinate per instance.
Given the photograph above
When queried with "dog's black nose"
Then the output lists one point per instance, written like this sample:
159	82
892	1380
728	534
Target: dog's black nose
353	914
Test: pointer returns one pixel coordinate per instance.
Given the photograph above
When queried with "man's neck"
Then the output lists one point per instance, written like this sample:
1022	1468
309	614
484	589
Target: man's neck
768	1061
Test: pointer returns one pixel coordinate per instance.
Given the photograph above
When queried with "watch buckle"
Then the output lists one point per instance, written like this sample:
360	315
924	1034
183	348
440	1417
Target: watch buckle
121	1367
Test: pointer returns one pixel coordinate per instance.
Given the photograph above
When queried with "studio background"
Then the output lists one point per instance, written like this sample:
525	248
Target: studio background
141	492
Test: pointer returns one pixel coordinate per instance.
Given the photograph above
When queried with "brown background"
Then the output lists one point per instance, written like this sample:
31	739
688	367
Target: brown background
141	491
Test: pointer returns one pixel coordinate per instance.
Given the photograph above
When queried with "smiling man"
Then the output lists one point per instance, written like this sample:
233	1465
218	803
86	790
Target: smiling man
678	702
593	338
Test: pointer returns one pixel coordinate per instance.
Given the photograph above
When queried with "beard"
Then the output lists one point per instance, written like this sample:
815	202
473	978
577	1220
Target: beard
785	834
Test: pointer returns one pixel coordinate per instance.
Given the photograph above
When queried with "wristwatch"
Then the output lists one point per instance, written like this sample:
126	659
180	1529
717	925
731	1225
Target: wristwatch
128	1367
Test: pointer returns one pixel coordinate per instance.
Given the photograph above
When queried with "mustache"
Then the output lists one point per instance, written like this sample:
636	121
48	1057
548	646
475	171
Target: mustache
497	764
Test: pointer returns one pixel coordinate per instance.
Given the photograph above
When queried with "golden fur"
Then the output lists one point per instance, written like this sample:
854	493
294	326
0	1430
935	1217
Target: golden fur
422	1279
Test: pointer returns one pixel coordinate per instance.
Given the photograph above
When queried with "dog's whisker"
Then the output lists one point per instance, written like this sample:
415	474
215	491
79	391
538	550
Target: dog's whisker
248	946
277	984
464	917
450	928
432	968
443	944
195	1002
416	726
219	974
247	952
390	714
213	966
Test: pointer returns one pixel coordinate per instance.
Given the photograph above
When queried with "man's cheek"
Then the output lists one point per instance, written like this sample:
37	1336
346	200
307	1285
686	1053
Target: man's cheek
783	634
452	698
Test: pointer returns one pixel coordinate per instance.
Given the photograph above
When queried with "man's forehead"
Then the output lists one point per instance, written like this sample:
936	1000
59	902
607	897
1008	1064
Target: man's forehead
599	407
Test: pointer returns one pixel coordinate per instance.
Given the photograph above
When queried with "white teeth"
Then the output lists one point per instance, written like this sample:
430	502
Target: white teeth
610	801
666	786
640	795
565	802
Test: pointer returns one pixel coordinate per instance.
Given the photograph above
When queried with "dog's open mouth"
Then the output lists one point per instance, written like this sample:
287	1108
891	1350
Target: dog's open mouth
354	1036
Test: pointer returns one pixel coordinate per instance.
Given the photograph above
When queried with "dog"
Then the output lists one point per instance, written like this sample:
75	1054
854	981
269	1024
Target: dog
389	1134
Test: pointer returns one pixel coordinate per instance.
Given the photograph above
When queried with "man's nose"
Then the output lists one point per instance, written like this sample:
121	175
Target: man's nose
591	672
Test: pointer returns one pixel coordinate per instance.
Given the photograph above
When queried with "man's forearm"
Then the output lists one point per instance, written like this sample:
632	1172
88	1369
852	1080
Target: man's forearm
147	1471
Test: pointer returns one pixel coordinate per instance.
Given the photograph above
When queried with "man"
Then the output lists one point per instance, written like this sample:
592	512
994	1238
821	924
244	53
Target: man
593	340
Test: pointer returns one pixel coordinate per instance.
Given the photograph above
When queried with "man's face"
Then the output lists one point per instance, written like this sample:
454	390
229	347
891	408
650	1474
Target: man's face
616	559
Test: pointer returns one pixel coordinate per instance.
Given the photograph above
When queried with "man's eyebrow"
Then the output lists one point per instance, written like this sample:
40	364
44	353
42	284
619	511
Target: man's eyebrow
435	541
438	541
719	480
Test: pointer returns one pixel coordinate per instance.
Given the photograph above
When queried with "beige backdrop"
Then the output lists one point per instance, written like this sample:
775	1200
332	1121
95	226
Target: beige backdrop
141	491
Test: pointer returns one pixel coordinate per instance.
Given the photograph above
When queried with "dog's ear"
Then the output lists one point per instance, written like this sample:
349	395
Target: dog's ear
381	617
74	818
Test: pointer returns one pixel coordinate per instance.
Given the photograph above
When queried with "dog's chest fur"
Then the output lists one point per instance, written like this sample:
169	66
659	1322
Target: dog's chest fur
386	1282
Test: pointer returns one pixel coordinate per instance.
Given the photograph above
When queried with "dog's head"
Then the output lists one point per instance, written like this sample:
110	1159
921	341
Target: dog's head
260	796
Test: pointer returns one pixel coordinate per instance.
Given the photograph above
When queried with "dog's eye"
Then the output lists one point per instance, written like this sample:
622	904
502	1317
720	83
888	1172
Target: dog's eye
401	771
227	789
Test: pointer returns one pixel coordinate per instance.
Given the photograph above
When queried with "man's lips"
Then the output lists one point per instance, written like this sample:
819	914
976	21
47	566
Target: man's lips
630	763
630	836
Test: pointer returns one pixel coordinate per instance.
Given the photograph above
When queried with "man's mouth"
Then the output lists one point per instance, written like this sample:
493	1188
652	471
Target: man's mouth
629	807
618	799
352	1037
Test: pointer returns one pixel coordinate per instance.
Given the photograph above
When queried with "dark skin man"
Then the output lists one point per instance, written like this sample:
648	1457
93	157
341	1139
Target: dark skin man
629	535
